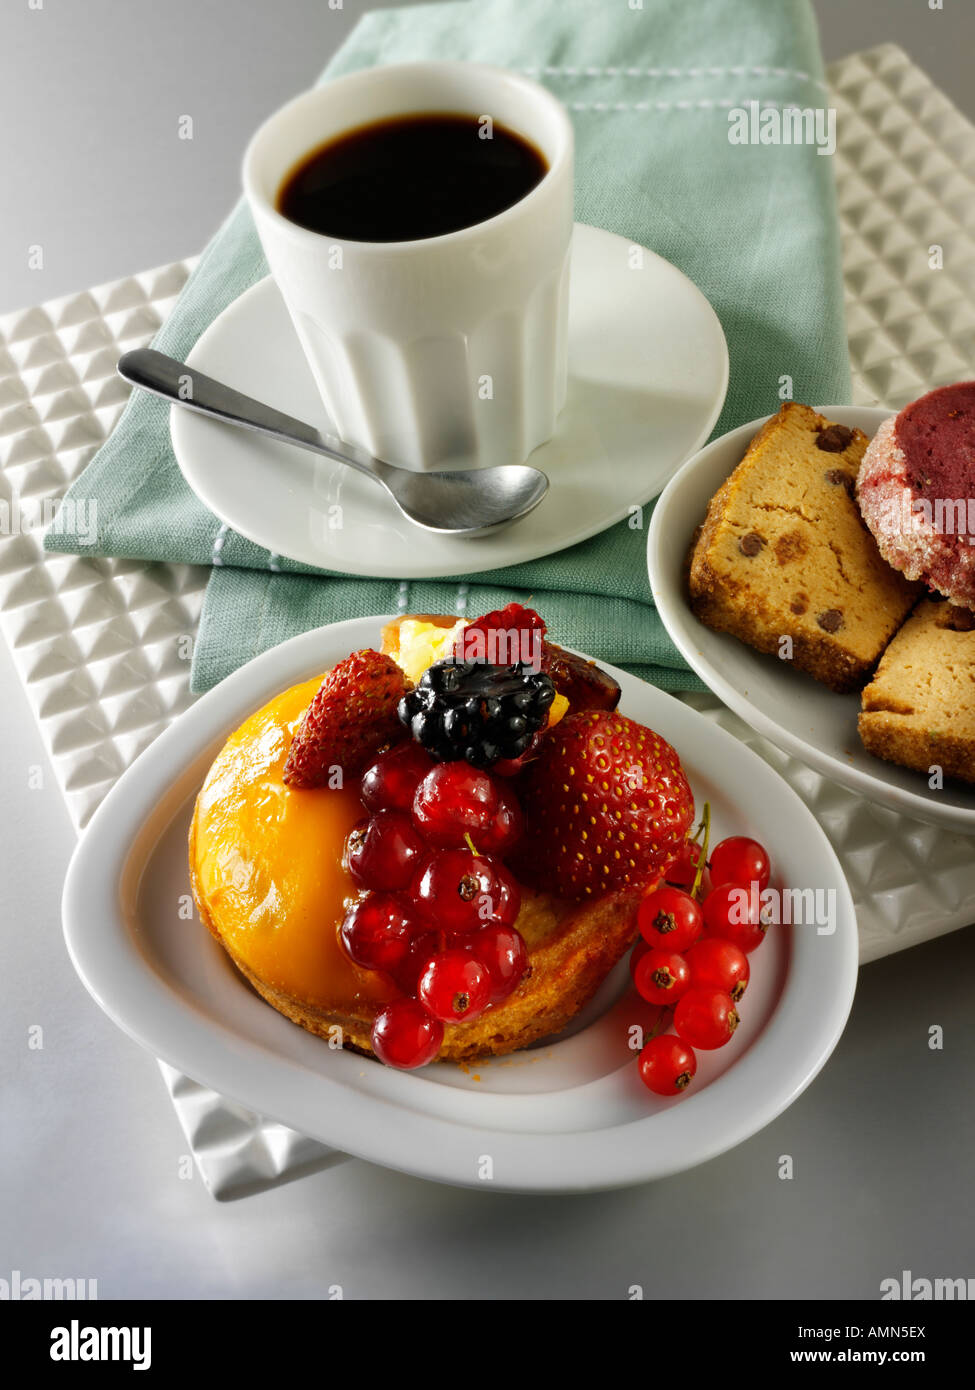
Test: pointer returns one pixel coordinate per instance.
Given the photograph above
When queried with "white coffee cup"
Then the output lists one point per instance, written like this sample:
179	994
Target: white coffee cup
450	349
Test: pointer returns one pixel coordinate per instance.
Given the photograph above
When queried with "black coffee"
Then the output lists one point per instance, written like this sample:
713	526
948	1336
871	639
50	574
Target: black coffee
410	177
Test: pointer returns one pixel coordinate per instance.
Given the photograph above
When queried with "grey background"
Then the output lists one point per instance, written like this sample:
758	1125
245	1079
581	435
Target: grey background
89	1146
90	96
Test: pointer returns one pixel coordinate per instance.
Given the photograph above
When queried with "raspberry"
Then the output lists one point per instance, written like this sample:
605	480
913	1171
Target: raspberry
508	636
515	634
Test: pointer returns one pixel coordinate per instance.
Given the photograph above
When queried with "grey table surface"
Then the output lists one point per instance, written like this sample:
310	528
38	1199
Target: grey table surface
93	1178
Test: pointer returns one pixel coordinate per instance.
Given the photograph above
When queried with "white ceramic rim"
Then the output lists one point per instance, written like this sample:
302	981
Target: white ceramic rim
486	553
258	196
684	629
796	1042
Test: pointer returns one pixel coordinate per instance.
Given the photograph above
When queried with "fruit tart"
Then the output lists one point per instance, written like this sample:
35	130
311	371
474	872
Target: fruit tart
437	850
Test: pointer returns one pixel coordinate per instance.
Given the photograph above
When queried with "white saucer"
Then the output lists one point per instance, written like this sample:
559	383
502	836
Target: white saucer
568	1115
648	371
797	713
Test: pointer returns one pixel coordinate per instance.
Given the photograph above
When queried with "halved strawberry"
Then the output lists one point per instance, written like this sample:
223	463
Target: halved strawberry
352	715
607	807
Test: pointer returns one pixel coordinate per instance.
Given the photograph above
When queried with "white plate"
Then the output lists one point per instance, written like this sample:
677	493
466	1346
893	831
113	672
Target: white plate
569	1115
803	717
648	371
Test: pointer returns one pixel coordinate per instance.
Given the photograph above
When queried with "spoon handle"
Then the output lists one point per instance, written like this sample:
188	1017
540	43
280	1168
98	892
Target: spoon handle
183	385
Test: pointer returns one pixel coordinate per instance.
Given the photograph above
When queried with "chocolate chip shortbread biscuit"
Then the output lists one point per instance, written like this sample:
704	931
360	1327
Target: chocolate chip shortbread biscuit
784	561
919	709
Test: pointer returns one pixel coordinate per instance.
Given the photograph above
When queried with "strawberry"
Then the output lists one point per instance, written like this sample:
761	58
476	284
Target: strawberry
607	807
352	715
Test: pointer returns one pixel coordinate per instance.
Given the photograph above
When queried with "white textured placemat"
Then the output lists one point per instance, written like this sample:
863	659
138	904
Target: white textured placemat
103	647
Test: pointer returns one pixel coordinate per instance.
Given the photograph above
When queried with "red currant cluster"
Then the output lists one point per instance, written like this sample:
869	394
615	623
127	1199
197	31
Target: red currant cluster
693	956
439	908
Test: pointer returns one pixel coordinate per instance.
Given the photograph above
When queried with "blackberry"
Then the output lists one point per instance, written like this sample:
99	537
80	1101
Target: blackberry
479	713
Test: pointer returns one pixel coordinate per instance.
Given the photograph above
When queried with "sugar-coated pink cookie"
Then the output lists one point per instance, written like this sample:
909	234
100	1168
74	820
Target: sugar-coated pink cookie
916	491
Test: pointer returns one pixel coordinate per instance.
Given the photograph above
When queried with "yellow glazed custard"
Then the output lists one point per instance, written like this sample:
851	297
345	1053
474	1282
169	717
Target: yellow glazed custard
266	861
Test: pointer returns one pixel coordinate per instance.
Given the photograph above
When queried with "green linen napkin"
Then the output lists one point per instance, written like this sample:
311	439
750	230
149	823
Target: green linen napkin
649	84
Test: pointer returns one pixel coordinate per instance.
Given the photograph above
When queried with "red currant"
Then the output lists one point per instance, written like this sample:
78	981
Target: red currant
667	1065
406	1035
378	930
719	964
683	869
507	827
423	946
460	892
640	949
740	860
384	852
734	913
455	986
455	801
661	977
705	1018
503	951
670	919
390	783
